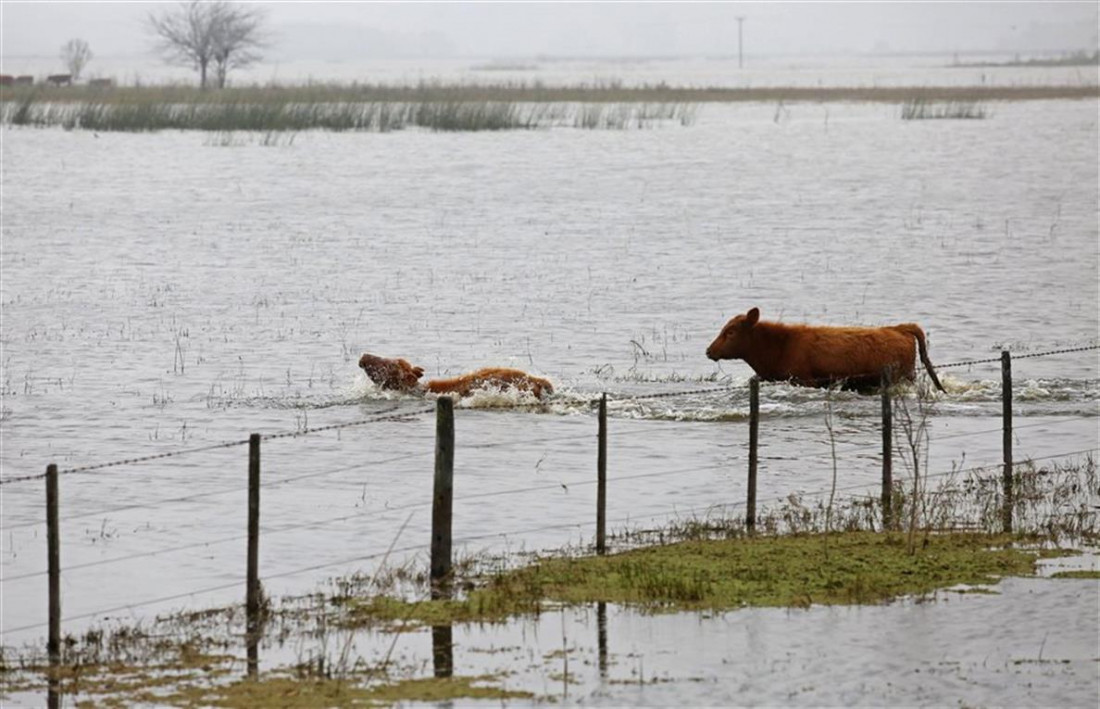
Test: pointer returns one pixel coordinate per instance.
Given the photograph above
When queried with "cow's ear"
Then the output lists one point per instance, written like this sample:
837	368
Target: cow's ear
418	372
752	317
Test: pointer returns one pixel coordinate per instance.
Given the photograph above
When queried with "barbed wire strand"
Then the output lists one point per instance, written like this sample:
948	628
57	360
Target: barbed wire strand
970	363
848	450
281	481
399	508
538	488
217	446
241	488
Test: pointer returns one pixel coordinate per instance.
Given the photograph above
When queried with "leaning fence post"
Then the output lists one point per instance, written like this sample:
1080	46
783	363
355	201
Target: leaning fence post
601	480
443	495
53	561
252	588
754	427
1006	399
887	447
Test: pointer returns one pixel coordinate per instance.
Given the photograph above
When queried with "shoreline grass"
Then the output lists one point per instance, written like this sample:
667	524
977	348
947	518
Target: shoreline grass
536	92
444	107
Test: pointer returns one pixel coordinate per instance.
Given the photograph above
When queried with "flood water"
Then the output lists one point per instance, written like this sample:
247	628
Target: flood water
1027	644
164	293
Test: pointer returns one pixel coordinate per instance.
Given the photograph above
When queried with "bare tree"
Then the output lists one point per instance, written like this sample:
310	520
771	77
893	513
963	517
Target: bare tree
76	54
238	38
198	34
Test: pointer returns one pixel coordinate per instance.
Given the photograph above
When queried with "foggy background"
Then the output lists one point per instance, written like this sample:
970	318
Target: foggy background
348	32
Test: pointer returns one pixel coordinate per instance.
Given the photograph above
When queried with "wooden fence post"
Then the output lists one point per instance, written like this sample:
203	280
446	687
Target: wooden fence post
53	562
1006	404
887	452
601	480
443	496
252	583
754	427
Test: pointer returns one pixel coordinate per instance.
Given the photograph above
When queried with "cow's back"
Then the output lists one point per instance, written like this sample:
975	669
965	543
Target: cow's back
816	353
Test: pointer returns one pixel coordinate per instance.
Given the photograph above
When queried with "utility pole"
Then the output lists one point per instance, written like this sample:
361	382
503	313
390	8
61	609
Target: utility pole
740	41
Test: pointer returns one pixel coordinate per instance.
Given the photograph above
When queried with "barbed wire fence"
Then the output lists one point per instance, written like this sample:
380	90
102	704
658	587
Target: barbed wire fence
395	414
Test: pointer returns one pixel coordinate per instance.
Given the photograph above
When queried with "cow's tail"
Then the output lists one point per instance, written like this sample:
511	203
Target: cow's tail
918	334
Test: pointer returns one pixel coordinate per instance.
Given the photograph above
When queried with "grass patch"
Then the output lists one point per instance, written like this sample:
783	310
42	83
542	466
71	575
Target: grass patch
1079	574
785	571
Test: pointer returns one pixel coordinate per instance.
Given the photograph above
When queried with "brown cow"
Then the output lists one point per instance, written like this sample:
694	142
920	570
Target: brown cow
388	373
820	356
399	375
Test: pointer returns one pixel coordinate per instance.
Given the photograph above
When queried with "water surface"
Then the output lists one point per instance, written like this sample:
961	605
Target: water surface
167	292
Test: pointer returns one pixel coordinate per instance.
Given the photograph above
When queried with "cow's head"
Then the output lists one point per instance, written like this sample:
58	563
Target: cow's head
733	341
390	373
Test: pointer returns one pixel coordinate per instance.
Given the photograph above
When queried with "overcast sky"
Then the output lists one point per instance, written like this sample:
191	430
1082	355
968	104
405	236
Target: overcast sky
350	30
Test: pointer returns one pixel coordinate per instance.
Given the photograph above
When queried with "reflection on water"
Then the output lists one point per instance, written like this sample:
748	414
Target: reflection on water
443	662
1033	642
601	643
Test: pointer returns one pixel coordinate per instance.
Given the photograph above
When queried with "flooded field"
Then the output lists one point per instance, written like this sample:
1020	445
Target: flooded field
972	648
722	71
171	292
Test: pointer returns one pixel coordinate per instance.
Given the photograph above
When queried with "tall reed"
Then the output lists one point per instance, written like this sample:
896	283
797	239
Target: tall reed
922	109
223	114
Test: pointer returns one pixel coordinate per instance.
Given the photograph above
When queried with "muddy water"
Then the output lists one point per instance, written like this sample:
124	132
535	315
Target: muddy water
167	292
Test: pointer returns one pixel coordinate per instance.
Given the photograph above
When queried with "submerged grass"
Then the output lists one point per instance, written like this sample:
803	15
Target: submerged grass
286	691
919	109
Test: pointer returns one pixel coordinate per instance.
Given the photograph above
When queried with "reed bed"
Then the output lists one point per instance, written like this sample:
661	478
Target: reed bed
920	109
223	116
439	106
